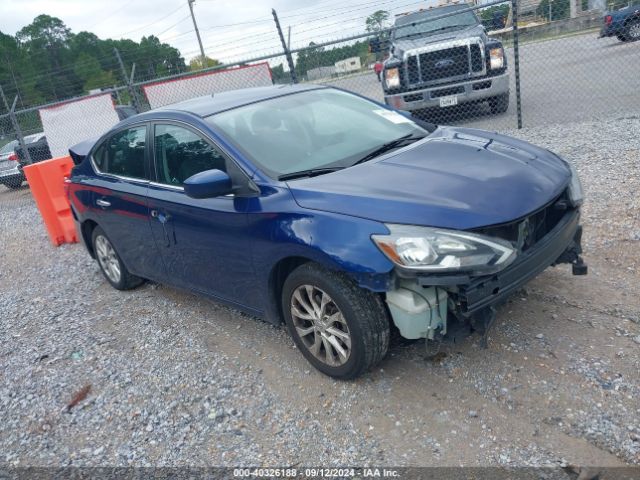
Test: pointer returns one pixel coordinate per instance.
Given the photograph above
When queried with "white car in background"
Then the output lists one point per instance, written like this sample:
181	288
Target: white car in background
12	158
10	174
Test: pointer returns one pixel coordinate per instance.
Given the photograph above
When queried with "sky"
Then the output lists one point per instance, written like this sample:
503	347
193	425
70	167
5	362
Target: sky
230	30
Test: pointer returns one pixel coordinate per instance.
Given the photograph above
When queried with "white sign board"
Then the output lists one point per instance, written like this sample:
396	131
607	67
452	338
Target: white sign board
173	91
73	122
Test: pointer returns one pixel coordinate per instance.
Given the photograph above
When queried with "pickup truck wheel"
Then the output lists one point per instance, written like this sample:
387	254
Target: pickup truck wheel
632	31
499	104
111	264
340	328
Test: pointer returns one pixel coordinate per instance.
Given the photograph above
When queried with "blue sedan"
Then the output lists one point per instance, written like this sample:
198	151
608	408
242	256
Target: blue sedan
341	217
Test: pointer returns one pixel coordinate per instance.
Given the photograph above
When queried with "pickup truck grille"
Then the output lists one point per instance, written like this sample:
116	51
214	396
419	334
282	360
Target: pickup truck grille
454	62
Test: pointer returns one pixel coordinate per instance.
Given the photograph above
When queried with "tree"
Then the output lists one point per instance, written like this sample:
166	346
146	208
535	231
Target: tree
560	9
197	63
376	21
88	69
46	62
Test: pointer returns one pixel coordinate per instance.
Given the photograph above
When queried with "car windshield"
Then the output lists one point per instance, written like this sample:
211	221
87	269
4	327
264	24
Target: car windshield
315	129
407	26
8	148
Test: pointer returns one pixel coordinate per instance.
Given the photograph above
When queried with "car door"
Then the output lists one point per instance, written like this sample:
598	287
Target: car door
119	199
203	242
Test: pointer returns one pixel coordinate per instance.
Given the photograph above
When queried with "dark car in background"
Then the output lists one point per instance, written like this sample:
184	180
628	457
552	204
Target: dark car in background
623	23
38	148
326	210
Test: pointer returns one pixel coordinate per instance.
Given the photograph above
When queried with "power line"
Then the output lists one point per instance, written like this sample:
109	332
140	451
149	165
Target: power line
150	24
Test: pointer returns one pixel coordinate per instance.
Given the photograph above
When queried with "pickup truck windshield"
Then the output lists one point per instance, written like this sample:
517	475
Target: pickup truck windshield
316	130
407	27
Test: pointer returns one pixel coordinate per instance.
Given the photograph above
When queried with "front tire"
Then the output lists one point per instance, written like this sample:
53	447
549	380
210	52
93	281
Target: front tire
340	328
499	104
111	264
632	31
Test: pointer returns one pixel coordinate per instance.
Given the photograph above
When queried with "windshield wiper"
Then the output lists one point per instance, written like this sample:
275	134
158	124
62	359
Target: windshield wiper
312	172
385	147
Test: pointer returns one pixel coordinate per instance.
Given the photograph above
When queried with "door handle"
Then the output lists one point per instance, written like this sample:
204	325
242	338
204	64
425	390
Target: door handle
103	203
162	218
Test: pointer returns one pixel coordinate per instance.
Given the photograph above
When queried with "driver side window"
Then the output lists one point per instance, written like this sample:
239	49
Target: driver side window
181	153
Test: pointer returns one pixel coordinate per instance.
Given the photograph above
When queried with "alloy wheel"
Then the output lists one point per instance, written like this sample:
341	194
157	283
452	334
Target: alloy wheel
108	259
634	31
320	325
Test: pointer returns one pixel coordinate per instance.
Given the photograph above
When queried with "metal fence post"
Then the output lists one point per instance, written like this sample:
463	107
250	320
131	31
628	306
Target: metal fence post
18	131
516	56
129	81
287	52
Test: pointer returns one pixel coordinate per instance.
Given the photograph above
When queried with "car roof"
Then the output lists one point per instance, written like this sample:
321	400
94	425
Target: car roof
219	102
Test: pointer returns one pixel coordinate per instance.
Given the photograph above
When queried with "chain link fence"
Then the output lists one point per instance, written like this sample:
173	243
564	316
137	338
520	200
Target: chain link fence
500	66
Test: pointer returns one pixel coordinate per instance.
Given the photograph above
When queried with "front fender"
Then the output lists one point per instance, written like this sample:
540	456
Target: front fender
282	230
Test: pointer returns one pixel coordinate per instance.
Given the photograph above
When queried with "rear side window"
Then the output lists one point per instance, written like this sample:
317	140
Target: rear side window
181	153
123	153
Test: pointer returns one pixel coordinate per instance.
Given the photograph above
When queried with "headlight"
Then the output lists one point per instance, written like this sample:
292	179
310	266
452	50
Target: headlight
576	195
438	251
392	77
496	58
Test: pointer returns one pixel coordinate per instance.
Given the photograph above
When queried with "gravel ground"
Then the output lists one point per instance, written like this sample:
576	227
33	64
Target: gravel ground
92	376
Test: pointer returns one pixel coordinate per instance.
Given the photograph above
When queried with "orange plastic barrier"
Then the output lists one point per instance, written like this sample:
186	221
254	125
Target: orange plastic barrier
46	180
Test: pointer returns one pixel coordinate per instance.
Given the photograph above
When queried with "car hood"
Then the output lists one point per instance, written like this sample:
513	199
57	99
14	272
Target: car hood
403	45
456	178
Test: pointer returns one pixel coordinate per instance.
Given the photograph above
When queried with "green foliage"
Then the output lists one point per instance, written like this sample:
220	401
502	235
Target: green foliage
88	69
46	62
560	9
487	14
376	21
319	57
279	75
197	63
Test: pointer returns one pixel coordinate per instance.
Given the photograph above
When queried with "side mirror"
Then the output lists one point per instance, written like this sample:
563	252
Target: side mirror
208	184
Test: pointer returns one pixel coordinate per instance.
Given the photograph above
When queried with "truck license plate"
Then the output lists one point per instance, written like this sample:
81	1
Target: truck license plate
448	101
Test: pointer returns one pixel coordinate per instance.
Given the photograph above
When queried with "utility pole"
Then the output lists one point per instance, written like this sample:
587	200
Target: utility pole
289	39
287	53
195	25
129	81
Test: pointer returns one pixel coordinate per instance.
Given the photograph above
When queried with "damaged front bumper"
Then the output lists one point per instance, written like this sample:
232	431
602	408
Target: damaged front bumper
423	306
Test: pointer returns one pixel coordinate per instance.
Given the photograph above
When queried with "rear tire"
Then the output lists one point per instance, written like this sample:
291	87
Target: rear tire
339	327
499	104
13	184
110	262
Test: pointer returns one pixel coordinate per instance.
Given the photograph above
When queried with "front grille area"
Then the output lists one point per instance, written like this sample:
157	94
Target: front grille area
440	64
443	92
526	232
476	57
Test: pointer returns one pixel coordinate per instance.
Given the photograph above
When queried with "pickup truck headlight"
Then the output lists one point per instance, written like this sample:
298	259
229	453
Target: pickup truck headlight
496	58
576	195
392	77
437	250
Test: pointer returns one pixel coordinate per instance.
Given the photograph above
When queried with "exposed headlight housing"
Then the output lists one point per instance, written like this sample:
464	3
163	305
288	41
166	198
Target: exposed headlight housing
437	250
392	77
576	194
496	58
